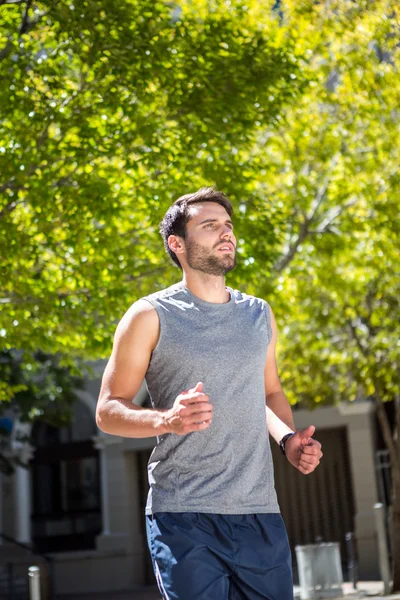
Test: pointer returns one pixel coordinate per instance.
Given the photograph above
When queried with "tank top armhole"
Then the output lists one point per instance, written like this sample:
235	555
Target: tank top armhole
161	320
268	318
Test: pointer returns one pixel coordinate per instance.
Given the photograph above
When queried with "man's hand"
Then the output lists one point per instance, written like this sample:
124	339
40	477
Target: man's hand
191	411
302	451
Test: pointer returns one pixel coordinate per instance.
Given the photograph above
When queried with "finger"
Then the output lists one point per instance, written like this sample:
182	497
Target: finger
193	398
198	397
189	428
189	409
304	471
198	418
314	451
197	408
308	460
314	443
311	458
306	441
308	432
308	466
199	426
197	388
311	450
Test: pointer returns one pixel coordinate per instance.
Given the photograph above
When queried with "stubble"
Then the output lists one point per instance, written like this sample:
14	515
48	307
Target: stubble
201	259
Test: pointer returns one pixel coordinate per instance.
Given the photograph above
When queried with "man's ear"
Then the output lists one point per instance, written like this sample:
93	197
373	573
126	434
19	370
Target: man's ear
176	244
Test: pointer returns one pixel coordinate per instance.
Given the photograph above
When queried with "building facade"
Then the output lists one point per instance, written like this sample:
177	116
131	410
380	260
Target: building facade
82	498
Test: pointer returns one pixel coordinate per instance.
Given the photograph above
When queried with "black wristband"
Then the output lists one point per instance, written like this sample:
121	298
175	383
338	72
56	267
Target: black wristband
283	442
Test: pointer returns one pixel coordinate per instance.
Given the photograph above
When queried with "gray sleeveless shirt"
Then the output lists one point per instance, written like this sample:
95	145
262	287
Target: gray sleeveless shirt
227	468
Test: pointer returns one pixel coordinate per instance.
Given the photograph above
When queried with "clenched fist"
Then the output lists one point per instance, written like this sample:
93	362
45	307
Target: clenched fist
192	411
302	451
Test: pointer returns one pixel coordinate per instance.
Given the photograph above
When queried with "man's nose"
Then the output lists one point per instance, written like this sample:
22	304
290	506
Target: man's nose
227	233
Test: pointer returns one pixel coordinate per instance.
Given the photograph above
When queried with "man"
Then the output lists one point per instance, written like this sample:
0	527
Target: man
207	353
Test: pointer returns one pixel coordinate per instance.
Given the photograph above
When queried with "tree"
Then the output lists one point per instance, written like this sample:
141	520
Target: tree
333	168
109	111
39	389
111	115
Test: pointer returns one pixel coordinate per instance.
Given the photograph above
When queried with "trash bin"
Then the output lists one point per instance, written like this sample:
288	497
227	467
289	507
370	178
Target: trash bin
320	571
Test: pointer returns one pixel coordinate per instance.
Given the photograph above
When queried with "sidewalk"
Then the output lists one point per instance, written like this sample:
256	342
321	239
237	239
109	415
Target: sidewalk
365	589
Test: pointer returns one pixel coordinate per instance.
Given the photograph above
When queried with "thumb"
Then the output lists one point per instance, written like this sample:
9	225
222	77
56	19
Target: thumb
306	434
198	387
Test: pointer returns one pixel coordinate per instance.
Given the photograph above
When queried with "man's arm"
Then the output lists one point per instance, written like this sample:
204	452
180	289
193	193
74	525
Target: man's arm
135	339
302	451
279	414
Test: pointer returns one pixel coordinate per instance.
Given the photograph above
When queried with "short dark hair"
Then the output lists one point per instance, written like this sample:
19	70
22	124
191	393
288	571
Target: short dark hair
178	214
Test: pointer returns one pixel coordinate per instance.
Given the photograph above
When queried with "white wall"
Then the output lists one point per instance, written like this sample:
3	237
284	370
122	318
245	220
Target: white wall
358	418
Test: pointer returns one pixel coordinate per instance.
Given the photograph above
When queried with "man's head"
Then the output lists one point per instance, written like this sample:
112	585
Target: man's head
197	232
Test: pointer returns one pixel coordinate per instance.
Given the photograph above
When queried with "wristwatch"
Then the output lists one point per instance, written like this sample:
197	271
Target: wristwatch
283	442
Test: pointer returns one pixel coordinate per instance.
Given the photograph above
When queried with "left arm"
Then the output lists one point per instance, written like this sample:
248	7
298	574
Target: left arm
302	451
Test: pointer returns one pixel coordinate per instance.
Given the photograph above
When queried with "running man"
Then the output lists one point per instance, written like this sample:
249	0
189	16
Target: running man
207	353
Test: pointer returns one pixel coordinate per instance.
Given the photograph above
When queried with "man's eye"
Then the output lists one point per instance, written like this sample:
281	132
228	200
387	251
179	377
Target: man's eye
210	225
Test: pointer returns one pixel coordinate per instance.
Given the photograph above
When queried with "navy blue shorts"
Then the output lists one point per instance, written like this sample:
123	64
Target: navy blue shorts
199	556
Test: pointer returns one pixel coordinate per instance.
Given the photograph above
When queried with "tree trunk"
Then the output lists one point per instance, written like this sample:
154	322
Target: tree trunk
396	531
392	444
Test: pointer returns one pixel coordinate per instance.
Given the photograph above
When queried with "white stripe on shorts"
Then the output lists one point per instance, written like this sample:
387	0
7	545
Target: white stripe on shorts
160	582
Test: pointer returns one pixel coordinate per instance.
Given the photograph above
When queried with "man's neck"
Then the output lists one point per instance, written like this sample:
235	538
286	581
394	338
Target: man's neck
207	287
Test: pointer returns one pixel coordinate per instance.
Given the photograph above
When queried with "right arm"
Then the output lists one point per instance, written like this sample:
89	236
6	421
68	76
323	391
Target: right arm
135	339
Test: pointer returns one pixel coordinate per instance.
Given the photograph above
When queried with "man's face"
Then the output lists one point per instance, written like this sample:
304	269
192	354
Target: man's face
210	243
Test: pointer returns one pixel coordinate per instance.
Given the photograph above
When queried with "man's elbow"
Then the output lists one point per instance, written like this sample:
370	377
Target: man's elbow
100	422
103	417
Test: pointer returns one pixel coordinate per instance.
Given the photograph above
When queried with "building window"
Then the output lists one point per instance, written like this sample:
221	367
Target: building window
66	491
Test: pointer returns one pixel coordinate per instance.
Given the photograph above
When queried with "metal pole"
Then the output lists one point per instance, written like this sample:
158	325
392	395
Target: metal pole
384	564
390	528
34	583
11	581
52	595
351	559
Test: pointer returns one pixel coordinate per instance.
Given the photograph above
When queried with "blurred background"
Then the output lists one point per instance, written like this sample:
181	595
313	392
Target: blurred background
109	111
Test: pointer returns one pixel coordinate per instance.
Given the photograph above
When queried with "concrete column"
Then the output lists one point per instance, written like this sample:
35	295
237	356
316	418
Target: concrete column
361	437
23	452
108	538
22	494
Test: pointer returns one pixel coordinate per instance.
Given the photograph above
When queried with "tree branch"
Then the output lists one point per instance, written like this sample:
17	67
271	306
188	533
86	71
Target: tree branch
332	215
357	339
321	193
25	25
11	206
283	262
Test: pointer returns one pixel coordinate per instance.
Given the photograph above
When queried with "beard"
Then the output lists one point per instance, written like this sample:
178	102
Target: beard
201	259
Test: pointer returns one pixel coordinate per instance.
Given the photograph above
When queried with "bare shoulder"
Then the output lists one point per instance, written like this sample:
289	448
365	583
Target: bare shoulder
140	322
135	338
